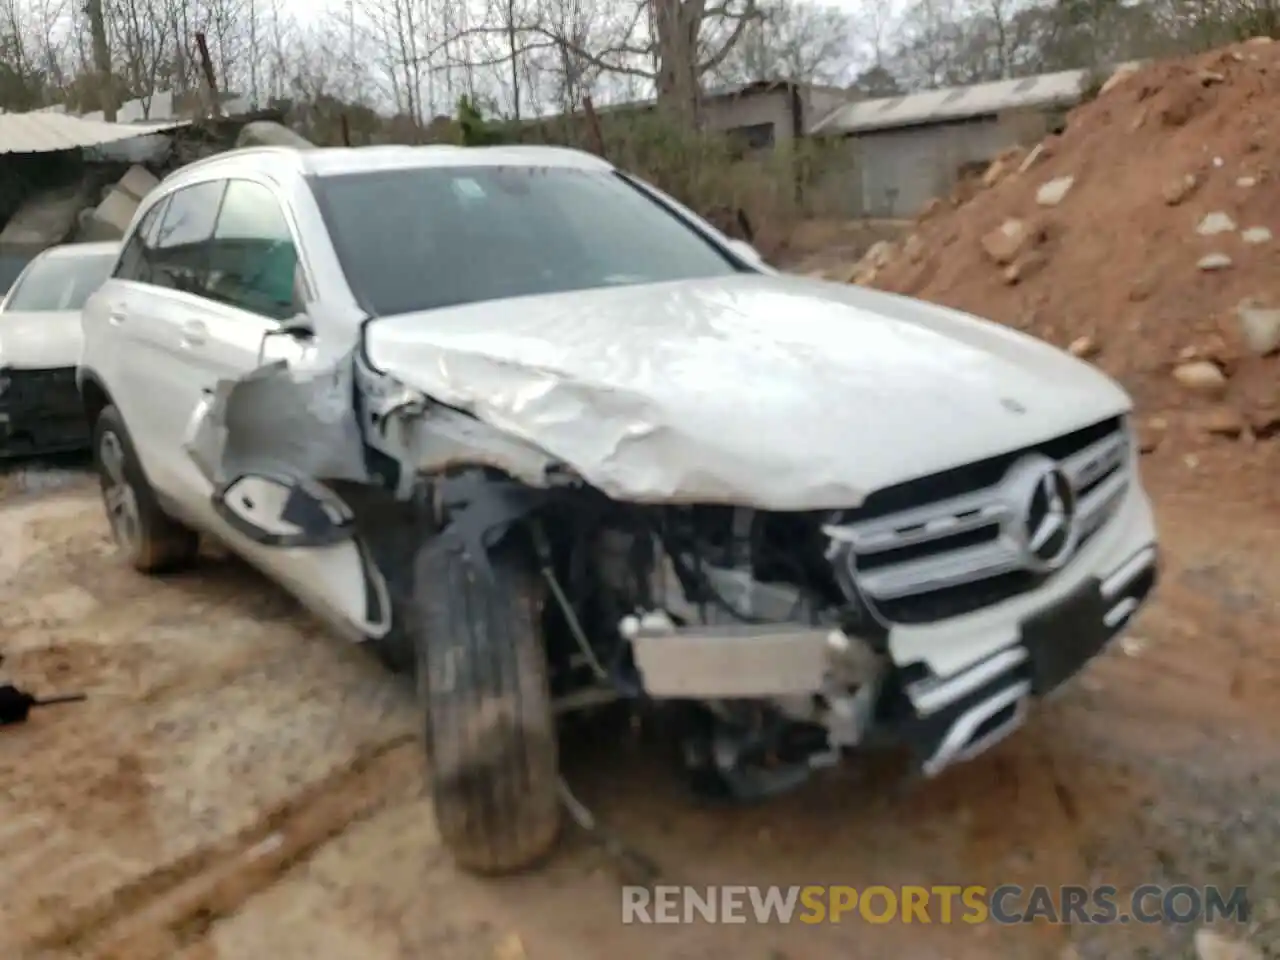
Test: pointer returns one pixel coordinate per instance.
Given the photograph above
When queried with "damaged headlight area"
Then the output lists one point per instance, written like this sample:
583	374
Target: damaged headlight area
733	622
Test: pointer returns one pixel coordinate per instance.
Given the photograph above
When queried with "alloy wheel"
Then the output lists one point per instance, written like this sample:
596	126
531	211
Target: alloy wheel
117	493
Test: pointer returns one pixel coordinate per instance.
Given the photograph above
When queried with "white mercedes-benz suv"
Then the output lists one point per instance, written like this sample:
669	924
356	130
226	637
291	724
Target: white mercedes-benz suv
546	440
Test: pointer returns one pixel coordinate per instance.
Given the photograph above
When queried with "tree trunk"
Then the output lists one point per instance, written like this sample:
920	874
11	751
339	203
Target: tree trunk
102	60
677	24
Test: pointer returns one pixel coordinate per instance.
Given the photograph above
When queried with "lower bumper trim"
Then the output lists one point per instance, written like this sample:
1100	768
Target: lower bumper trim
952	720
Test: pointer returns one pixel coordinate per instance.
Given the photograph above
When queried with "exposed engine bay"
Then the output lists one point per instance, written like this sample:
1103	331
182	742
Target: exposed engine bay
733	624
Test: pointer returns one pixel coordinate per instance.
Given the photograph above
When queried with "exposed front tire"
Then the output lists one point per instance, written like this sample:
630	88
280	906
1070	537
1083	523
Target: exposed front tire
492	755
151	540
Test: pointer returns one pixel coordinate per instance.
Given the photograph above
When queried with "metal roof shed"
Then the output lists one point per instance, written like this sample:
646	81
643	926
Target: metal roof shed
903	150
1046	91
46	132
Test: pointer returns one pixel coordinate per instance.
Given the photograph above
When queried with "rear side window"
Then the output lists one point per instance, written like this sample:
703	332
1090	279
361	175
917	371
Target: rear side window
180	256
135	261
253	261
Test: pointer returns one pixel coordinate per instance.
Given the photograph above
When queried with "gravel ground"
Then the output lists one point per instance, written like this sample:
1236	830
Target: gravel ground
241	785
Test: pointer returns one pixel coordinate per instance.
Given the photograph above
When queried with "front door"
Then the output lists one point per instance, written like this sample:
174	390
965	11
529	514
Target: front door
292	526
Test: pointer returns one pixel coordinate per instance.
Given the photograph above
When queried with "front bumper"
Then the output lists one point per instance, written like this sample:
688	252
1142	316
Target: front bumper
976	674
949	721
40	412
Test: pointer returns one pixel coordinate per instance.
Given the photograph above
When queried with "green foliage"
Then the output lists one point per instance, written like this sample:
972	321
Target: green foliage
709	172
475	130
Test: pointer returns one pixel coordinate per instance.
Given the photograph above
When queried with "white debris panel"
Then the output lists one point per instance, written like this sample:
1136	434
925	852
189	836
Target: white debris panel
48	132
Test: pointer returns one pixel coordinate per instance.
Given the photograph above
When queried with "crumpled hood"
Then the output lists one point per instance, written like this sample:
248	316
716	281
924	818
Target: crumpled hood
769	391
40	339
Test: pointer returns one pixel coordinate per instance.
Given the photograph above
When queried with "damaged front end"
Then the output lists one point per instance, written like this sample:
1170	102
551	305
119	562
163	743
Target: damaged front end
737	623
733	619
774	639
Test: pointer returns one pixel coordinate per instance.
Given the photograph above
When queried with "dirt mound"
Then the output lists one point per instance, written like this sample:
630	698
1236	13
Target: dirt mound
1145	238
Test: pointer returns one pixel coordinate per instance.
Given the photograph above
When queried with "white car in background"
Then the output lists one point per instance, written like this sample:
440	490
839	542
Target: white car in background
40	409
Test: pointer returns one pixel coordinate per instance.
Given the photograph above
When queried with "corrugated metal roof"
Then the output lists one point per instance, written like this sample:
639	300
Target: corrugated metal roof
954	103
47	132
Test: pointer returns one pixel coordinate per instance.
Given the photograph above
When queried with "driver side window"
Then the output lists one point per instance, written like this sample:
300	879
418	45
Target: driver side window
253	261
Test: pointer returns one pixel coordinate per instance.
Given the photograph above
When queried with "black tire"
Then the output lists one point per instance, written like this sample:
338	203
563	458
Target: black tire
151	540
492	754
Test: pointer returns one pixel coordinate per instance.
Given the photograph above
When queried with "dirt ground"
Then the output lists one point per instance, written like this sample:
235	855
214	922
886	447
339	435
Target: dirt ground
240	785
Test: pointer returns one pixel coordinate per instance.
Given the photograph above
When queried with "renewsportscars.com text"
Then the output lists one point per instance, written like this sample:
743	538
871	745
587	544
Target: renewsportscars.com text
973	904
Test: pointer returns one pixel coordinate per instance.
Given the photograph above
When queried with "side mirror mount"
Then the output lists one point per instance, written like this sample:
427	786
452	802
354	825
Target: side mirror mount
299	326
746	251
298	329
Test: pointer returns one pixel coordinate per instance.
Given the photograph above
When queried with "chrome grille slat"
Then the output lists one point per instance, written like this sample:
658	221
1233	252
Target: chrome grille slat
941	562
885	533
1095	460
940	571
1098	504
947	523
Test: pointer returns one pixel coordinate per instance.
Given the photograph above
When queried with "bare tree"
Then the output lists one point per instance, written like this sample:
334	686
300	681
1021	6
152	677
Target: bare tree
573	75
225	26
21	77
142	38
877	22
793	40
396	30
670	45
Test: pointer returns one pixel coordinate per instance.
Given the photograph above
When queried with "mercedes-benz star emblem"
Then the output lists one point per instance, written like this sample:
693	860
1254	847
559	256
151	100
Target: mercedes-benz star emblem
1049	523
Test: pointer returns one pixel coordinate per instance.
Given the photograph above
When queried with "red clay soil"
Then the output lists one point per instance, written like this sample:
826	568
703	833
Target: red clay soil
1114	269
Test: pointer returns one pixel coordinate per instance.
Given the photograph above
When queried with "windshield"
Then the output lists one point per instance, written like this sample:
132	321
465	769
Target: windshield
433	237
61	282
10	266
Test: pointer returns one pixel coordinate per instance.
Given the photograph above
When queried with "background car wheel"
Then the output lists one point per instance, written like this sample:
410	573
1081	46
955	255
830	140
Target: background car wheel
152	541
492	755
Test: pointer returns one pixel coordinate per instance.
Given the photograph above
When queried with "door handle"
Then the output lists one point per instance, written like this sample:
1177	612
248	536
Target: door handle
194	333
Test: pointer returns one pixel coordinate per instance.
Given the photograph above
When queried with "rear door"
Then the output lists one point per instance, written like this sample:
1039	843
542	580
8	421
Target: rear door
162	330
123	335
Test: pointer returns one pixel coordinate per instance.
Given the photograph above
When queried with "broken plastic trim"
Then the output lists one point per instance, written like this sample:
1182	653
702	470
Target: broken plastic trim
482	510
280	423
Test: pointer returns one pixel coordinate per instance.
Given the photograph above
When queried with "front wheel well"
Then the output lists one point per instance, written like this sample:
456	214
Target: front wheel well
94	398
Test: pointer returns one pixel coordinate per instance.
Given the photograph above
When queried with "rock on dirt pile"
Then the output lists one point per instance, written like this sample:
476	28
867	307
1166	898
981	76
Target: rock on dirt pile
1145	238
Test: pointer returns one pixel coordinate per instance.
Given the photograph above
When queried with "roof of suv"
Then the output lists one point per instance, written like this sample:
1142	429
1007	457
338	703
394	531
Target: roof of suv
277	162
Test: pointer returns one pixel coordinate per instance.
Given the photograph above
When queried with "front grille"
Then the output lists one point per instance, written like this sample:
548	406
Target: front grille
37	390
954	542
40	411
